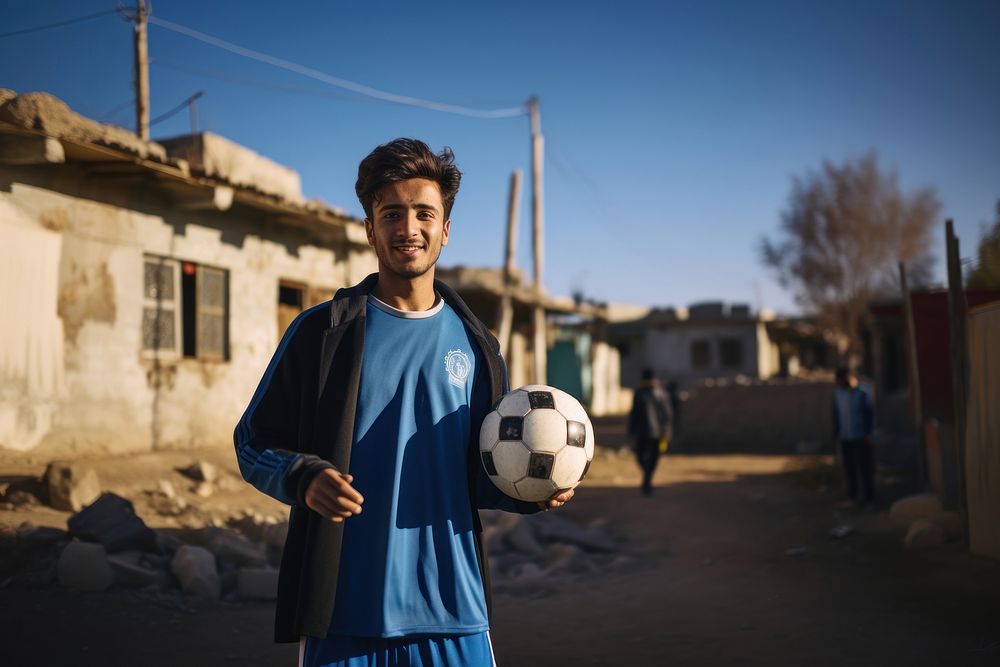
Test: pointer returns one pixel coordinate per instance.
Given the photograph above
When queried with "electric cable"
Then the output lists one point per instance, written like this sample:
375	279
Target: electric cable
337	81
79	19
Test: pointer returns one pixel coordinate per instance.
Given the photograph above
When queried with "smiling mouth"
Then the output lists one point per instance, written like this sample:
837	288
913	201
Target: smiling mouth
408	249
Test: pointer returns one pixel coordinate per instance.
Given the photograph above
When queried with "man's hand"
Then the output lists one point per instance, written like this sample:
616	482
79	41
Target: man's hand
557	500
331	495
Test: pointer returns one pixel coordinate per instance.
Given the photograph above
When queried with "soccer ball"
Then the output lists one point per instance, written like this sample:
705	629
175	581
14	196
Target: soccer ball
536	442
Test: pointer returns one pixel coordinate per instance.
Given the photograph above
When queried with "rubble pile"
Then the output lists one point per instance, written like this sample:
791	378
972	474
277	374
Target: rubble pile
531	555
214	554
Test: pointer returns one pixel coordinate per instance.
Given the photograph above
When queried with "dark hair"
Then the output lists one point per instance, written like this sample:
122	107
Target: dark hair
842	373
401	160
648	374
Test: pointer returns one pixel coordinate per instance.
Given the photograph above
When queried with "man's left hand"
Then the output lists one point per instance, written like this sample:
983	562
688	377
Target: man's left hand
557	500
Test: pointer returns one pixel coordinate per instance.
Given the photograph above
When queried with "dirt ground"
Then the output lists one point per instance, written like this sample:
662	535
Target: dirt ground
730	562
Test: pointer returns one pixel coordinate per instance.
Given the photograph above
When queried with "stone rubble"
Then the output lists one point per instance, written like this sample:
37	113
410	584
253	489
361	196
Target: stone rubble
84	566
71	485
228	555
195	569
111	521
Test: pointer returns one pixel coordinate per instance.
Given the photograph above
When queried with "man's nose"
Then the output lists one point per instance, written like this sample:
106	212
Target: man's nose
410	224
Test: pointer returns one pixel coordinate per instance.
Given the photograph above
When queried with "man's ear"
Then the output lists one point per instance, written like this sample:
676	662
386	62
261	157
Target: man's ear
445	232
370	232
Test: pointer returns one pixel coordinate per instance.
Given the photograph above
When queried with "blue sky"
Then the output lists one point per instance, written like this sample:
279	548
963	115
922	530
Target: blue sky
672	129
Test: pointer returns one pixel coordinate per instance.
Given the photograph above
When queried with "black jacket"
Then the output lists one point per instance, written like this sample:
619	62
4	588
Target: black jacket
301	420
651	415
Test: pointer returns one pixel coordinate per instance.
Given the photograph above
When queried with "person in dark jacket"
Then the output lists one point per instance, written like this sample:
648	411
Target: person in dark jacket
649	422
366	422
853	424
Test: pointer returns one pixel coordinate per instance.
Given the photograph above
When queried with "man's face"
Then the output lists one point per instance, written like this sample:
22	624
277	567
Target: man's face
409	228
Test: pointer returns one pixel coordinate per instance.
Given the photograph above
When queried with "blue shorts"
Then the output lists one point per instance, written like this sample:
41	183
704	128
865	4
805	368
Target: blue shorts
454	650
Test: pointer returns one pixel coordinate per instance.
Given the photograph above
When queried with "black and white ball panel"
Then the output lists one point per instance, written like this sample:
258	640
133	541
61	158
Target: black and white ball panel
537	441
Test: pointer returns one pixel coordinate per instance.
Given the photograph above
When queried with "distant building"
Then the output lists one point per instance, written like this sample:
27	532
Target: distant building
145	285
714	340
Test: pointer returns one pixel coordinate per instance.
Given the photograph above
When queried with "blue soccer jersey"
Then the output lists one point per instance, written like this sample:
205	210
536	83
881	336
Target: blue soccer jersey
408	562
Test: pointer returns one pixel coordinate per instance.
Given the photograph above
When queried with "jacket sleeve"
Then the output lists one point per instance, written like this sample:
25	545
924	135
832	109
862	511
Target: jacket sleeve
266	437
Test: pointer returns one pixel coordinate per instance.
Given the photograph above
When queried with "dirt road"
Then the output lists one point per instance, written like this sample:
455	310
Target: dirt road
730	562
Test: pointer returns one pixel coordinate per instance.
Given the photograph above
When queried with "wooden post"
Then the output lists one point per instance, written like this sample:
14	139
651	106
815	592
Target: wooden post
957	308
505	317
537	150
918	408
141	71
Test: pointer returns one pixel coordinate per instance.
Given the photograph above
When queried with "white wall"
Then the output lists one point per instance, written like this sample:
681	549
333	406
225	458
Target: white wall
83	265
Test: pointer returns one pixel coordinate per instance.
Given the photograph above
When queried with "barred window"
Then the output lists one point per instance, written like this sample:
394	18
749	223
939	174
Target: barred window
186	310
161	322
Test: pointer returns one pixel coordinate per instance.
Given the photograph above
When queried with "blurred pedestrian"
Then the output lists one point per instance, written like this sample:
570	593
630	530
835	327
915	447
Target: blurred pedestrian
853	423
649	422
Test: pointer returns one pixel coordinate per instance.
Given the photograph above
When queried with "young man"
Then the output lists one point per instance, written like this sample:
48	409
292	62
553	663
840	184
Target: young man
366	422
853	423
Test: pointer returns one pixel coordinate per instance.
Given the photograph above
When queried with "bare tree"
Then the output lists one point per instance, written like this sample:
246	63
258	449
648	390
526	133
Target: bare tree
845	229
986	273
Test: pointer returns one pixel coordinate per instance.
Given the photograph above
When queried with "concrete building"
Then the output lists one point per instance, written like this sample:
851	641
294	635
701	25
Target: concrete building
706	340
144	285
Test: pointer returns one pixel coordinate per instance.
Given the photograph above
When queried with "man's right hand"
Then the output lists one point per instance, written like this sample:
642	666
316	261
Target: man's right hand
331	495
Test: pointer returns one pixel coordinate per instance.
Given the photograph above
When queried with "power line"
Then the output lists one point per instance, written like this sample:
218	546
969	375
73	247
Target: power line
337	81
177	109
257	83
59	24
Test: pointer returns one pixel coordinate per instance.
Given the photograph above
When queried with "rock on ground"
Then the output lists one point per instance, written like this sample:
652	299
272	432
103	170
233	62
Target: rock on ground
84	566
918	506
194	568
234	548
201	471
111	521
72	486
131	571
923	534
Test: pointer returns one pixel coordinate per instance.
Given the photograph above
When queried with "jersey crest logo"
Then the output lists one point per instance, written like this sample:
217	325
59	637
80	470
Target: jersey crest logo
458	365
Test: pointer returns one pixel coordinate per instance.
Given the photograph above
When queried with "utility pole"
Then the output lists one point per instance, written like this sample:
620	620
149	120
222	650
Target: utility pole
506	316
537	152
957	307
912	359
141	71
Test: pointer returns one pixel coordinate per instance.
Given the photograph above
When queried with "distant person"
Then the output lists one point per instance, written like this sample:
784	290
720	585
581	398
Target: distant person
649	422
853	422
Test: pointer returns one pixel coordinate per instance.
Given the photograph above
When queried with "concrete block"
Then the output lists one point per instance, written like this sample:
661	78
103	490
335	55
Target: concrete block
194	568
84	566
